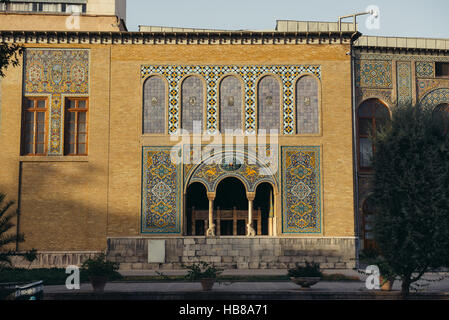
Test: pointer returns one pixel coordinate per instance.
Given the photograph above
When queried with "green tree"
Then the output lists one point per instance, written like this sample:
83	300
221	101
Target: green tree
411	193
6	237
9	53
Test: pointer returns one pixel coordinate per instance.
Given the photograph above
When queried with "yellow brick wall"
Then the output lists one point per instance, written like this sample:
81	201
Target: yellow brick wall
75	205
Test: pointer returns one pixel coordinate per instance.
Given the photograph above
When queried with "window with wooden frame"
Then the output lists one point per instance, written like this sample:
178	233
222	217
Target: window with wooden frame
75	137
372	115
34	127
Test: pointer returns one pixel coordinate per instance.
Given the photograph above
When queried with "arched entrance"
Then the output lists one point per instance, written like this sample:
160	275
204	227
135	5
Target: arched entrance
230	208
196	200
231	181
264	202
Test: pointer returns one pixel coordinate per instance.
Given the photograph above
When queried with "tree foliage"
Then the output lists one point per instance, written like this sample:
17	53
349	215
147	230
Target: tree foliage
6	237
9	55
411	193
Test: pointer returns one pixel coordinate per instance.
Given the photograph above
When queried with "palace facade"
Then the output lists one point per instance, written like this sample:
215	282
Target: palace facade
246	149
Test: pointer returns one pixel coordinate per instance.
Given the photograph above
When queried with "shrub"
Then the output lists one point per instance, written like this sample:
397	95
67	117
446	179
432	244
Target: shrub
309	270
100	267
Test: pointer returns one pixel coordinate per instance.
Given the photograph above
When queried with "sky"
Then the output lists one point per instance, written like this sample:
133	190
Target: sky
400	18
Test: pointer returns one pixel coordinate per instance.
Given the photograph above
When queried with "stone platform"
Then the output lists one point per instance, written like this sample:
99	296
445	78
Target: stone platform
235	252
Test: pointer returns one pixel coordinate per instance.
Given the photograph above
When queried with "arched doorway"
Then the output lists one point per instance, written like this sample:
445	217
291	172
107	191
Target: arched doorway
264	202
230	208
372	115
196	200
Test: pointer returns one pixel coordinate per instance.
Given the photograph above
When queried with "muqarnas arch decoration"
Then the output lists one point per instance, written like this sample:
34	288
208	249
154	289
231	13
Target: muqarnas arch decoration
241	164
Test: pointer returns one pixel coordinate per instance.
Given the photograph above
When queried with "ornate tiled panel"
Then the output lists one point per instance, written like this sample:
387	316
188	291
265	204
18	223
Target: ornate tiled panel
384	94
373	74
436	97
424	86
404	78
424	69
161	190
301	190
212	76
55	73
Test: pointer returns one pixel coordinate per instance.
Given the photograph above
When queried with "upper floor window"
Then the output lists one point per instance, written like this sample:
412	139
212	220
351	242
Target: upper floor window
372	115
442	69
76	126
37	6
34	129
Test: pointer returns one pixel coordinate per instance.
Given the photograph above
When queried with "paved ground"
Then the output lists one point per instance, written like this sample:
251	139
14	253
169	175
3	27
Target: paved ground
242	287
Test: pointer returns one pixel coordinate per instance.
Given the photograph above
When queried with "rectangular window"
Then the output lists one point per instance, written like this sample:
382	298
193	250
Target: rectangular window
74	8
442	69
20	7
51	7
34	135
76	127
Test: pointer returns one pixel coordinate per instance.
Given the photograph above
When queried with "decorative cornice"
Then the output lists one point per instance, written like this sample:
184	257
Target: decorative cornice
405	46
186	38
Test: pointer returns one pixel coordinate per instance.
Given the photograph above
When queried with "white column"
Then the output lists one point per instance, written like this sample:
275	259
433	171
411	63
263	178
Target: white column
250	232
211	229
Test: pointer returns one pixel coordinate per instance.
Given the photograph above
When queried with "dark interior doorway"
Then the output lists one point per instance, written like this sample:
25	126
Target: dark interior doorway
263	200
196	199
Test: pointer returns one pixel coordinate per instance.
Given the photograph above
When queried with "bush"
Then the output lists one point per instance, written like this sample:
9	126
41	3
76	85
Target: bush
202	270
309	270
100	267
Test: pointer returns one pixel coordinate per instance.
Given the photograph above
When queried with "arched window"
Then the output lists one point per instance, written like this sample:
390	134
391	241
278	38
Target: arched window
441	116
192	91
368	211
307	112
372	115
268	97
154	105
231	104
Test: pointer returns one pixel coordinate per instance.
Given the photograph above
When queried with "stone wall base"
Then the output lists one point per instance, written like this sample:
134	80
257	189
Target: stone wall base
55	259
236	252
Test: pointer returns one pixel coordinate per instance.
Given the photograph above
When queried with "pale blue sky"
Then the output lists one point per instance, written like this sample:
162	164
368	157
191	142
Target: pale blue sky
413	18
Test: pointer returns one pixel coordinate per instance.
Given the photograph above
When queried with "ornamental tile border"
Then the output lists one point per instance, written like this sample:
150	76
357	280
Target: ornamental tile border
401	57
404	79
